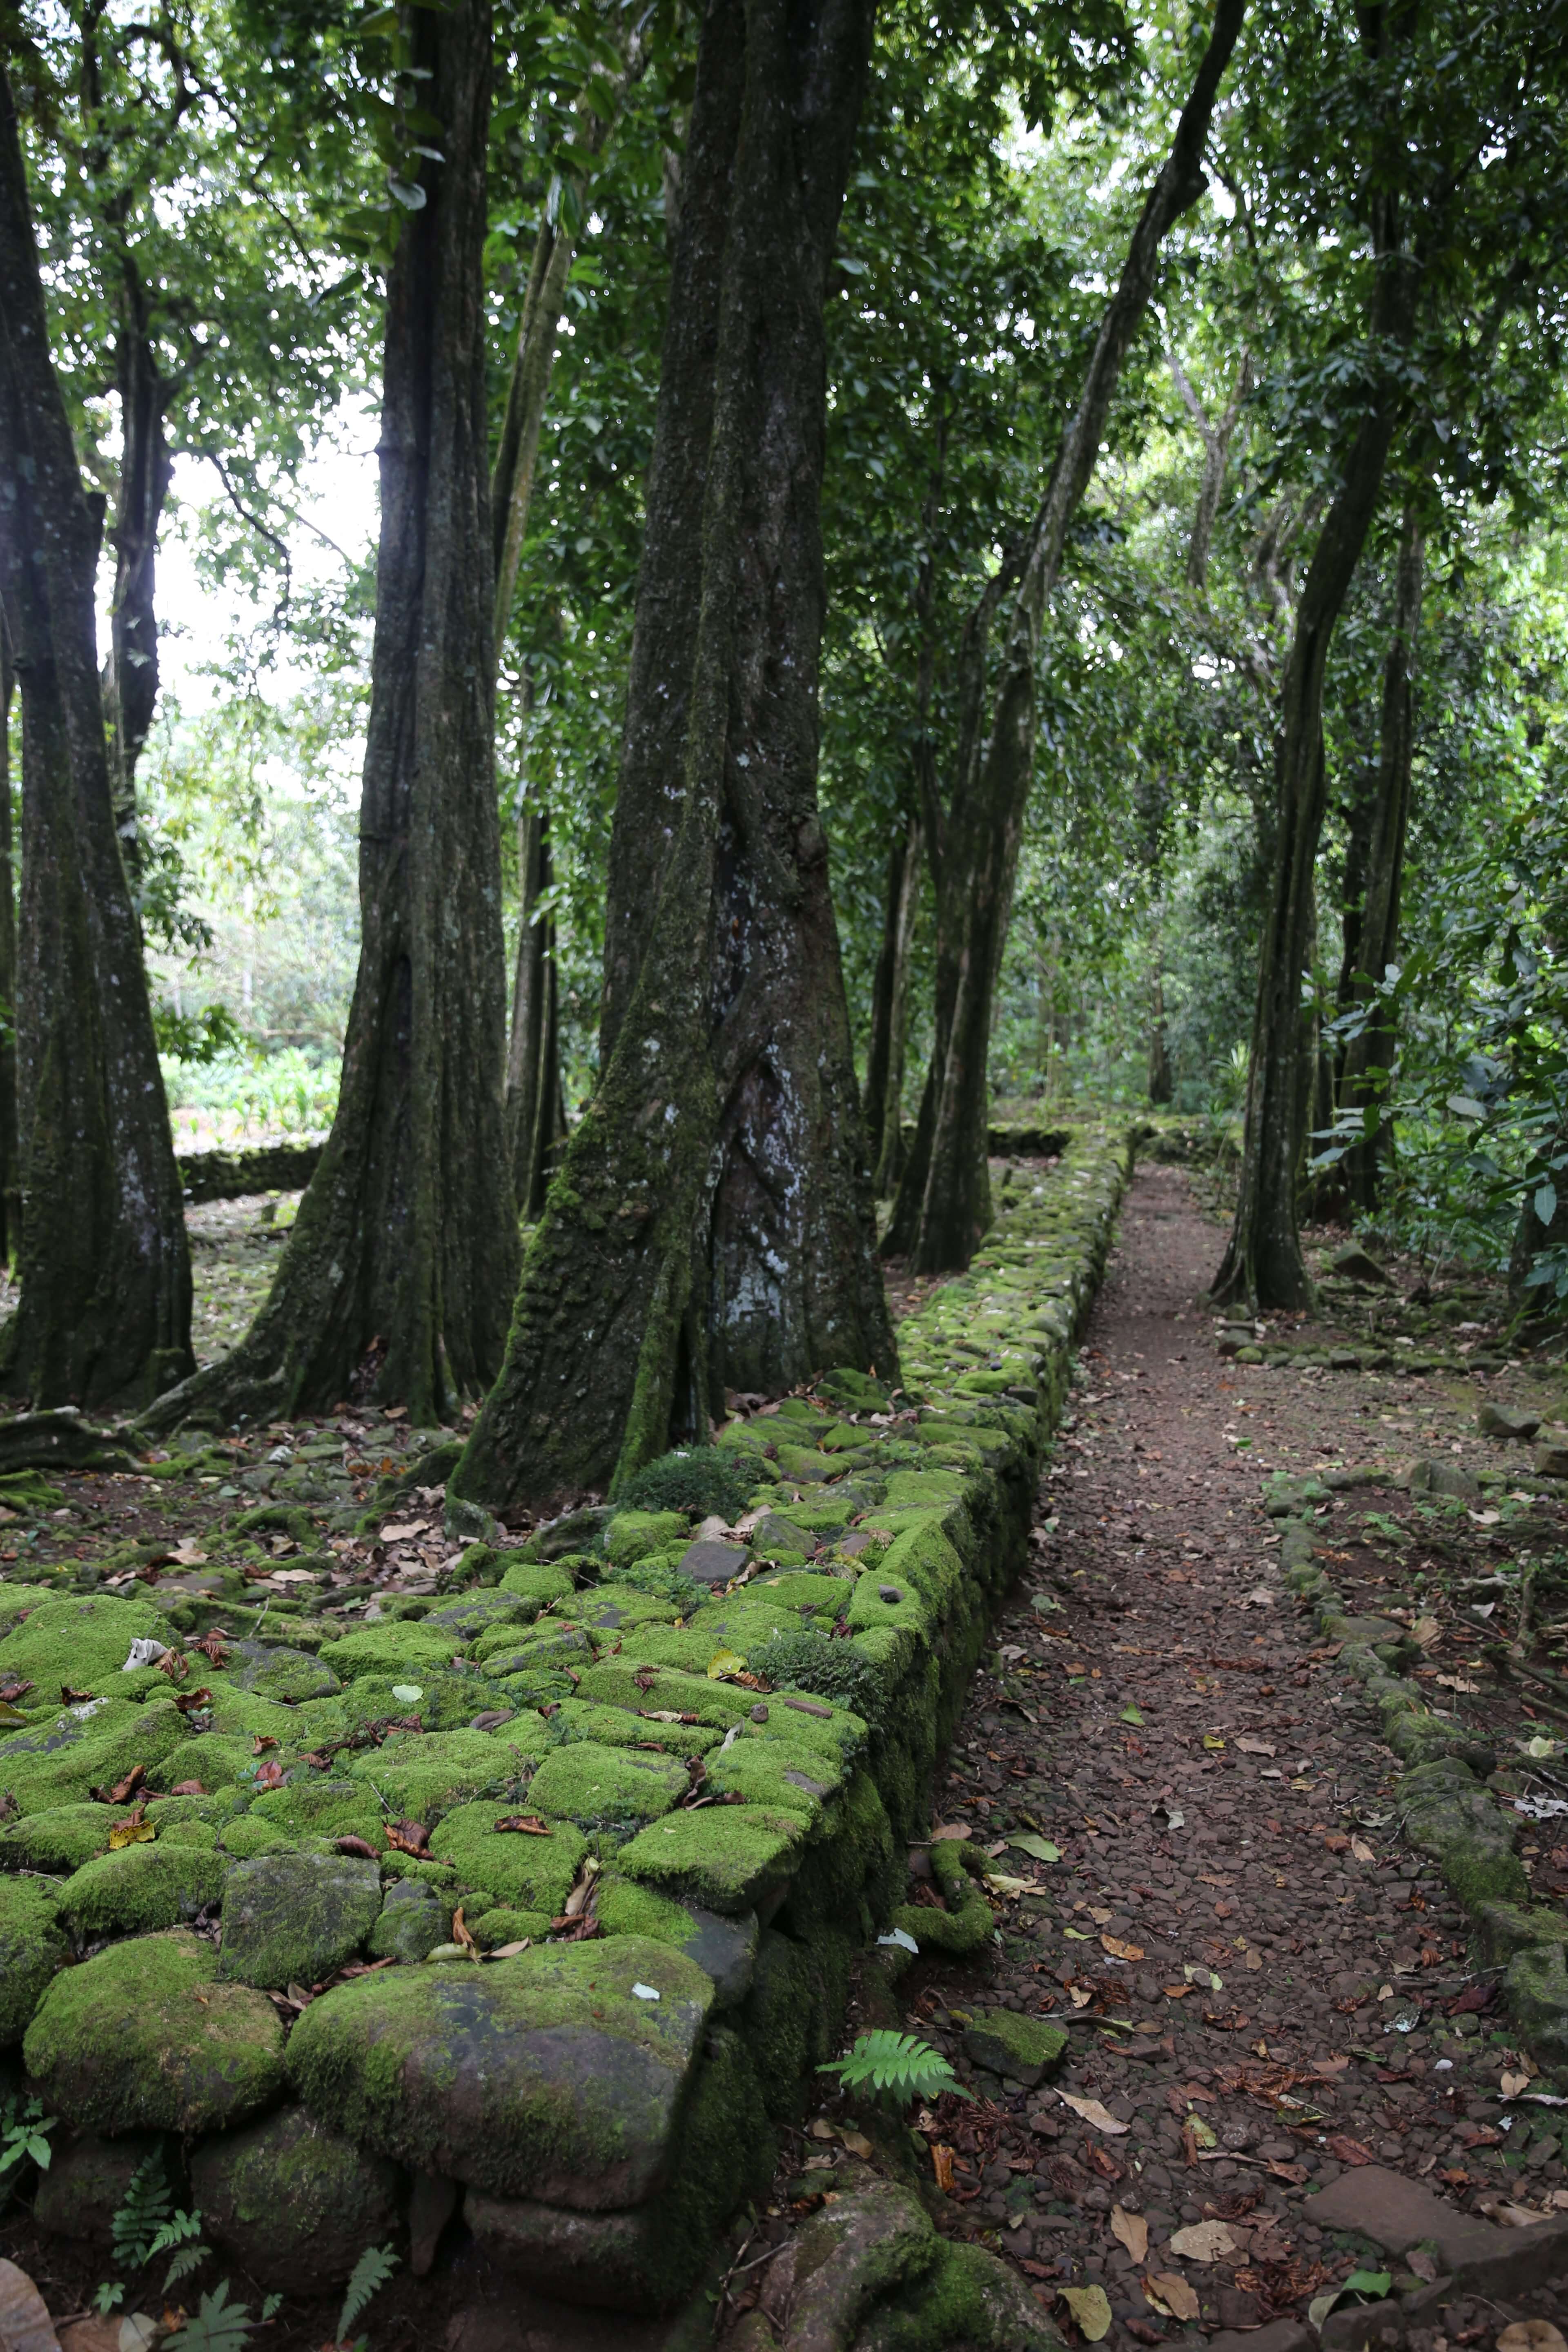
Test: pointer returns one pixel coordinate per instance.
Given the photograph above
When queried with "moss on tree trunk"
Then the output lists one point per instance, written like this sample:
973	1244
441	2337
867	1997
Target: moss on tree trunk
401	1262
712	1220
105	1308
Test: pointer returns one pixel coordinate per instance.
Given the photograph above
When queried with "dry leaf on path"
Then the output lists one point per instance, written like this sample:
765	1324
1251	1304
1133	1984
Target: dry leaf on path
1252	1957
1093	2113
1090	2308
1531	2336
1362	1851
1250	1747
949	1830
941	2165
133	1833
1427	1631
405	1531
1168	2291
1512	2084
1348	2151
1132	2229
1120	1951
1203	2241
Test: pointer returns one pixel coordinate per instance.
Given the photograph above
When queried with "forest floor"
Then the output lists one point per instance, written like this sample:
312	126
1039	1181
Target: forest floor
1264	1989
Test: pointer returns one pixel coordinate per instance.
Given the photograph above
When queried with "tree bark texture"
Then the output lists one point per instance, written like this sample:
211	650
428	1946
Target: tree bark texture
888	1051
712	1220
1217	440
1369	1057
532	1064
10	1157
145	473
1263	1262
944	1199
1162	1086
105	1311
397	1278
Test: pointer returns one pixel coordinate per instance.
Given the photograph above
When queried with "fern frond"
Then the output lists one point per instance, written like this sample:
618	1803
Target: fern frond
219	2325
896	2066
141	2214
369	2275
188	2259
178	2231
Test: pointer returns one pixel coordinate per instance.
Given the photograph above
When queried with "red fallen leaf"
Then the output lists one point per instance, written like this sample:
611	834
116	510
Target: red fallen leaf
322	1763
187	1789
14	1689
359	1845
1038	2270
124	1789
406	1837
211	1645
579	1930
188	1702
1337	1842
148	1573
262	1741
529	1823
175	1664
1345	2150
70	1697
1479	2135
1294	2173
269	1775
1474	1997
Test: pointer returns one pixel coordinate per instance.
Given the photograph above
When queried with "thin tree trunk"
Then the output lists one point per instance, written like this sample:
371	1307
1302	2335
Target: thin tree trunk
1370	1056
712	1220
105	1312
532	1077
1217	440
1162	1086
1263	1262
145	467
398	1273
944	1199
10	1158
887	1054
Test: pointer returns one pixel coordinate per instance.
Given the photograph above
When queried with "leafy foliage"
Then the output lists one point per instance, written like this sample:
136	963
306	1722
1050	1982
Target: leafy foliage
218	2325
142	2215
809	1661
705	1481
896	2067
25	2131
369	2275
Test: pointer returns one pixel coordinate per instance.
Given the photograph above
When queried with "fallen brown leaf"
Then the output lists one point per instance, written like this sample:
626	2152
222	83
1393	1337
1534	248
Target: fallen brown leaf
1167	2290
1132	2229
529	1825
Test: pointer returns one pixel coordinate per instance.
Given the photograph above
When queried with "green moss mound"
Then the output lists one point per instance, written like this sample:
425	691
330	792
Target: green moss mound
31	1949
704	1482
812	1662
528	1873
143	1887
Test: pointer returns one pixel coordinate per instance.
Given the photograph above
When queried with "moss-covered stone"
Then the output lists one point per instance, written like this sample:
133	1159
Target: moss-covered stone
476	1613
1449	1817
615	1727
143	1887
545	1647
774	1773
968	2297
272	1670
606	1788
61	1762
293	1918
632	1535
87	2181
414	1919
84	1642
503	1925
399	1652
729	1858
531	1874
1026	2049
59	1839
144	2038
548	2076
246	1836
31	1949
314	1808
423	1778
536	1581
294	2203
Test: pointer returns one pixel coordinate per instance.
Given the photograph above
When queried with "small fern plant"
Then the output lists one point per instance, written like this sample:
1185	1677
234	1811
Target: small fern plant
370	2275
896	2067
142	2213
220	2325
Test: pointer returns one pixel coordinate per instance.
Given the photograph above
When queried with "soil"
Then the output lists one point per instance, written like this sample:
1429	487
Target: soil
1260	1983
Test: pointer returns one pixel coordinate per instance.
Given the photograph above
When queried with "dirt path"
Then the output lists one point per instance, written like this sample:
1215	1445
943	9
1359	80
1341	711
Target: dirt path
1231	1882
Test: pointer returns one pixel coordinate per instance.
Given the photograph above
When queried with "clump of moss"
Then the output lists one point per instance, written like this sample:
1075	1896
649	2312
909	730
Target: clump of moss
659	1581
811	1661
703	1482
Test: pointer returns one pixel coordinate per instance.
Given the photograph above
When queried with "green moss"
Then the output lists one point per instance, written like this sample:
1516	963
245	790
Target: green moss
244	1838
474	1613
143	2038
62	1762
143	1887
536	1580
59	1839
615	1727
82	1643
273	1670
320	1809
531	1874
296	1917
505	1926
292	2202
400	1652
631	1535
420	1778
545	1645
772	1773
31	1949
616	1609
534	2072
826	1669
615	1682
415	1917
727	1857
216	1762
447	1702
606	1788
1026	2048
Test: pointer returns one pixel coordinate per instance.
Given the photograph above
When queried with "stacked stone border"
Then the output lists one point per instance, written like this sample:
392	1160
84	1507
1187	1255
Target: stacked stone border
720	1763
1449	1814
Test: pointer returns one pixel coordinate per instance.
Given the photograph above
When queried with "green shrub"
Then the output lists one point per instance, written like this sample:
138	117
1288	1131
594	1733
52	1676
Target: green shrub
704	1481
829	1669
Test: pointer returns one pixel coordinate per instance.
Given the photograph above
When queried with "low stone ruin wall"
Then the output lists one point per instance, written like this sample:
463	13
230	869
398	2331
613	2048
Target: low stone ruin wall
540	1895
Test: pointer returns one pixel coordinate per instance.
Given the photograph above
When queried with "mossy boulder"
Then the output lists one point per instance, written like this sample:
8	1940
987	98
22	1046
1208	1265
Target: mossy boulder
414	1919
729	1858
535	1583
504	1924
243	1839
144	1886
272	1670
31	1949
293	1918
59	1839
421	1778
632	1535
1449	1816
1026	2048
84	1642
474	1613
399	1652
606	1788
531	1874
60	1763
314	1808
549	2075
775	1772
294	2203
144	2038
86	2183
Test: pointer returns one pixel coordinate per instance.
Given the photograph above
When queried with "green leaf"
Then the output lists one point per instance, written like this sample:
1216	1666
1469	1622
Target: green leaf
1546	1203
1371	2283
897	2065
1130	1715
370	2275
219	2325
1040	1847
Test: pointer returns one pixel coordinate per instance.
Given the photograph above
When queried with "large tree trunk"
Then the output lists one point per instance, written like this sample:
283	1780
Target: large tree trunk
888	1051
1263	1262
399	1272
944	1199
1370	1056
105	1312
711	1222
145	467
10	1158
